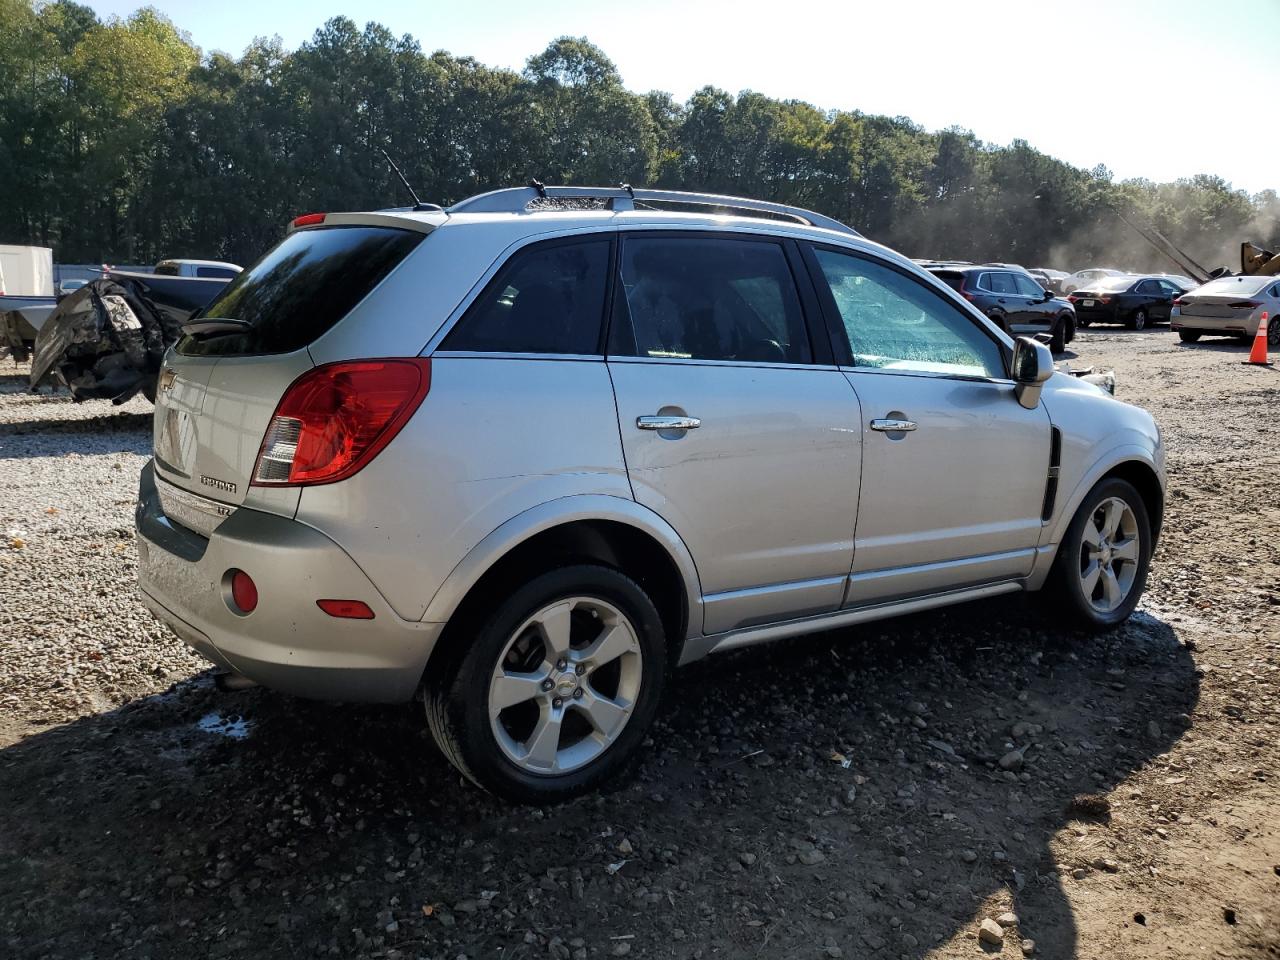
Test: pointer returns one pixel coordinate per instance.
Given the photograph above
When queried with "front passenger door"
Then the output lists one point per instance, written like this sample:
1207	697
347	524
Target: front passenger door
954	469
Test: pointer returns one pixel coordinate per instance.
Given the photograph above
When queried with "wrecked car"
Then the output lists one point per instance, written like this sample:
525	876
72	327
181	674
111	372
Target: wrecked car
106	340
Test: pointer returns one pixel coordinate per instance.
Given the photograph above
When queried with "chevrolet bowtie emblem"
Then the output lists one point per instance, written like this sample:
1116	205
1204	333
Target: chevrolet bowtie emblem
167	379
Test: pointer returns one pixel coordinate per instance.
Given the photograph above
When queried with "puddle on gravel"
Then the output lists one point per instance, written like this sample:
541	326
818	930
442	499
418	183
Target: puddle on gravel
235	727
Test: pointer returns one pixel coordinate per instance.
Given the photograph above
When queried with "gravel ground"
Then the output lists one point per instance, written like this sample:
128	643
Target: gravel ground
974	780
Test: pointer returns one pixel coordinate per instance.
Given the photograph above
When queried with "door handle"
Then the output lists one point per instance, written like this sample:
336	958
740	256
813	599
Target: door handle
893	426
668	423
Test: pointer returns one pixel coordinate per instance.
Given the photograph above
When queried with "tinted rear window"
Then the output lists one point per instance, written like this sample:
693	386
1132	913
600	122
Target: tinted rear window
305	285
952	279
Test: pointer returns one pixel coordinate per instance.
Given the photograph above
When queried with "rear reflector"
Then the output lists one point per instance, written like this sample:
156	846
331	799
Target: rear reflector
346	609
309	219
244	592
336	418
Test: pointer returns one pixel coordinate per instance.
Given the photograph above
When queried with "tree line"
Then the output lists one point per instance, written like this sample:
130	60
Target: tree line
121	141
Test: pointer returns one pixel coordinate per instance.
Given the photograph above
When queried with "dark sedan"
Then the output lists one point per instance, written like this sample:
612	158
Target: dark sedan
1135	301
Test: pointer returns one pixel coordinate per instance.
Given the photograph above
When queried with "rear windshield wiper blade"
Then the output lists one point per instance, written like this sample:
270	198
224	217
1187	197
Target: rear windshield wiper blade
214	327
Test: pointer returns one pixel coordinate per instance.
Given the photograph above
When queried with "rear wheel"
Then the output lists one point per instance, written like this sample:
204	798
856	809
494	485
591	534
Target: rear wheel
1273	332
1138	320
556	688
1189	336
1101	567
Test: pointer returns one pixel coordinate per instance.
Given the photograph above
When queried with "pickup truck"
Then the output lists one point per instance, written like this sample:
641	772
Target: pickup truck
106	340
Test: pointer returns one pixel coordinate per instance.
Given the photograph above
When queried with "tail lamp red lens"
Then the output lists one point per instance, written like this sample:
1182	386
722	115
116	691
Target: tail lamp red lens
1244	305
346	609
309	219
244	592
336	418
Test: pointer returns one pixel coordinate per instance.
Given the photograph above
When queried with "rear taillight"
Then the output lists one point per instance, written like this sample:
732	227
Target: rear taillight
1104	299
1072	297
1244	305
335	419
1179	301
309	219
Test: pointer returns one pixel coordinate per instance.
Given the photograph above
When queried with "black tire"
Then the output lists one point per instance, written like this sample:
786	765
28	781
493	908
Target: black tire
1058	341
1064	583
1273	333
1189	336
1000	320
1071	328
149	391
457	694
1137	320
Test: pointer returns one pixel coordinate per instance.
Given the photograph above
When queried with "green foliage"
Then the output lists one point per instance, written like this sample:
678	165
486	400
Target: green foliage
120	141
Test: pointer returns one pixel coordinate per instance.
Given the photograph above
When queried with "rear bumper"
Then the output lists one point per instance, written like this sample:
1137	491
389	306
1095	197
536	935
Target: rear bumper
287	643
1227	326
1108	314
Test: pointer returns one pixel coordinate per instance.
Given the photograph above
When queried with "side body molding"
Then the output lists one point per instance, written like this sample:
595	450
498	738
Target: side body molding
556	513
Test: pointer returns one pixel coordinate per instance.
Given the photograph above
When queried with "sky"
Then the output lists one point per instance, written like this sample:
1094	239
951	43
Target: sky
1160	89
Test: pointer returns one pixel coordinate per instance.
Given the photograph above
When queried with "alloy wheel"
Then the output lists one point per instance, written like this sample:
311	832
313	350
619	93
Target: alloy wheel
565	685
1110	551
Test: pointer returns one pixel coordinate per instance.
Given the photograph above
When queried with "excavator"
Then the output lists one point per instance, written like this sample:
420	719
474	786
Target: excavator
1254	260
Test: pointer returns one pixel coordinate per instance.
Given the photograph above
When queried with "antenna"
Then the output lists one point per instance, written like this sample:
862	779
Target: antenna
417	204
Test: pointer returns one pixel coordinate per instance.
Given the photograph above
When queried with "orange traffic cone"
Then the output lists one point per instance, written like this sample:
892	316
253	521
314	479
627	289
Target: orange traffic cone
1258	355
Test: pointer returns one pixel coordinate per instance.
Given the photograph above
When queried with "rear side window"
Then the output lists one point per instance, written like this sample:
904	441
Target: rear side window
298	291
546	299
999	282
709	298
168	269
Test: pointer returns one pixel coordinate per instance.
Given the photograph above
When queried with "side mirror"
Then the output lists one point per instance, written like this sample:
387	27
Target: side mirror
1032	366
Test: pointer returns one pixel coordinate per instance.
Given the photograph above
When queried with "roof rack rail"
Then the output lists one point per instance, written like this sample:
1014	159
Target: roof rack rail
518	199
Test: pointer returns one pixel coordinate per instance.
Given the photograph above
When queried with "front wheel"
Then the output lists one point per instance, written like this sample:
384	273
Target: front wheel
1101	567
1058	342
1189	336
555	690
1138	321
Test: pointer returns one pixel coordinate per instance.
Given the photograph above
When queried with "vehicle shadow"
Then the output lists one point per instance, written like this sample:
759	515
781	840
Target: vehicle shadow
109	432
331	829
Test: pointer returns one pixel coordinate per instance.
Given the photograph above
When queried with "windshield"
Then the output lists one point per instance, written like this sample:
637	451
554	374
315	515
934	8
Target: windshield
301	288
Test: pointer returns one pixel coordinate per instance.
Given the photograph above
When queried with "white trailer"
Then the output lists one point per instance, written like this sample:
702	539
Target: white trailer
26	271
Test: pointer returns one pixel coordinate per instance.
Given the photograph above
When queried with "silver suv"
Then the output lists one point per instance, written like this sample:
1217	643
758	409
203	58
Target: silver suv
525	455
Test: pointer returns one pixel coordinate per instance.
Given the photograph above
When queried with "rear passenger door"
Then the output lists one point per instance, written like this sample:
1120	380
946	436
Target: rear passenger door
737	427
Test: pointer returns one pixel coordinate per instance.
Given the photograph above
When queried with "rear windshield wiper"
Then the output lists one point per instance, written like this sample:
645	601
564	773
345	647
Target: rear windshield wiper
214	327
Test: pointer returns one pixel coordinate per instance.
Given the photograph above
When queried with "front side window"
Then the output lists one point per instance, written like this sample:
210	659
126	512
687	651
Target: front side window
893	322
546	299
709	298
1027	287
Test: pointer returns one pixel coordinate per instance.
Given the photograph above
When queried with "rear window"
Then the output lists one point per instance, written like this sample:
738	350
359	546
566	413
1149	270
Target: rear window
1226	286
1112	284
298	291
951	278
